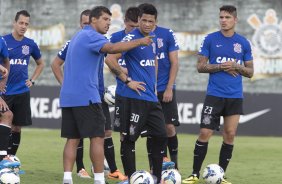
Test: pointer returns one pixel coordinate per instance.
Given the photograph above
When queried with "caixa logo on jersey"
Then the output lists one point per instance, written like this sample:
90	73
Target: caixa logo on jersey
25	50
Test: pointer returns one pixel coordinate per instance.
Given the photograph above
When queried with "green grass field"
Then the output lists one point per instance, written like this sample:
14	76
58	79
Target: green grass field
256	160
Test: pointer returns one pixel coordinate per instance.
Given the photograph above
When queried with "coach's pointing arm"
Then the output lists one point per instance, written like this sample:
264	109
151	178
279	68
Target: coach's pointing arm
119	47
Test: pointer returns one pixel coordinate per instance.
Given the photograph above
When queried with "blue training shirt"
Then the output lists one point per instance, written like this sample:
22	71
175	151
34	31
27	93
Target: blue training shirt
140	63
83	62
62	55
117	37
19	54
220	49
166	42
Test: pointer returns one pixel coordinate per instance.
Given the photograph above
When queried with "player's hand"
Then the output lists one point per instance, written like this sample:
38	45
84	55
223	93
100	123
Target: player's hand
147	40
3	106
3	86
28	83
230	67
168	94
4	71
137	86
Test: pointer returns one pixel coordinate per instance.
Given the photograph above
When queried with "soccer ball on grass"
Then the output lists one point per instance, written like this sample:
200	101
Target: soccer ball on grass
213	174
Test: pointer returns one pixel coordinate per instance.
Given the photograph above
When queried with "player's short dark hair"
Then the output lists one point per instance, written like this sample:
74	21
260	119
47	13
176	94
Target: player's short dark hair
22	12
85	13
97	12
230	9
147	8
132	14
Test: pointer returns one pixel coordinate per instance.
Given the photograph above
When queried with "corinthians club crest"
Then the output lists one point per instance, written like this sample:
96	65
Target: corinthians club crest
268	35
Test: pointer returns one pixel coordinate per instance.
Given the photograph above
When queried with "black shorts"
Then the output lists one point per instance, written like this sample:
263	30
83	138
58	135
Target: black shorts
214	107
169	109
82	122
142	117
118	110
106	111
19	104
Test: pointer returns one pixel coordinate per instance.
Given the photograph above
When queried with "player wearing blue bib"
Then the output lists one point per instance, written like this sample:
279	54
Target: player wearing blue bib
230	57
130	22
167	71
17	94
141	109
80	90
6	116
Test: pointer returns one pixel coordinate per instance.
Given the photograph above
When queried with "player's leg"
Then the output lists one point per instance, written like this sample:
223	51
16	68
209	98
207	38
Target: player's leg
69	131
80	169
6	118
132	110
92	124
20	106
234	108
210	121
156	129
171	119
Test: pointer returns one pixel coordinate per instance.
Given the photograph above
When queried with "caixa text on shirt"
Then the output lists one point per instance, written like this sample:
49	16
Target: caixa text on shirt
18	62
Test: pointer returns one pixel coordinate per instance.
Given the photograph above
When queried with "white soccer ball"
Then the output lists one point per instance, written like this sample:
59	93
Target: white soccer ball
141	176
7	176
110	93
213	174
171	176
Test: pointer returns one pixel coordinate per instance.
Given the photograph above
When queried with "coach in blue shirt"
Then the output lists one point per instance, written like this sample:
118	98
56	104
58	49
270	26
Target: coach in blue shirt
82	114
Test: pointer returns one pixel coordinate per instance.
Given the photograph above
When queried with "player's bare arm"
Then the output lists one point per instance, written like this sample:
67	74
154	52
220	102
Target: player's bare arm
112	62
114	48
39	67
235	69
204	67
57	70
247	70
174	65
5	72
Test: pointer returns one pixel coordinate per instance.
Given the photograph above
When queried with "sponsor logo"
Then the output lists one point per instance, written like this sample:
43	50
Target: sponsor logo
10	48
247	117
218	45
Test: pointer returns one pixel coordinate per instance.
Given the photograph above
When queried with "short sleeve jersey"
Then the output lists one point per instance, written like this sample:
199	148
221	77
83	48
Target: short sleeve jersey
166	42
140	63
83	62
19	55
62	55
117	37
219	49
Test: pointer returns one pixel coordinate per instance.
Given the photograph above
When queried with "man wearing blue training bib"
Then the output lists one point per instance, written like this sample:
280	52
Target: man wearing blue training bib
226	56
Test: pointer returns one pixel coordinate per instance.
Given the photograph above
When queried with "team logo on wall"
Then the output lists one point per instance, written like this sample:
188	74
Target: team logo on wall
25	50
267	42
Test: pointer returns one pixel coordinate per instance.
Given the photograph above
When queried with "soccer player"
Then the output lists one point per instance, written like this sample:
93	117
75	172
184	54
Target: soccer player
130	22
57	70
230	57
6	116
82	114
141	109
167	72
17	95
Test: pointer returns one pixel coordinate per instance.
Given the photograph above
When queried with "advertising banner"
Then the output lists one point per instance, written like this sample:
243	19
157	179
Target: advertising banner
262	113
